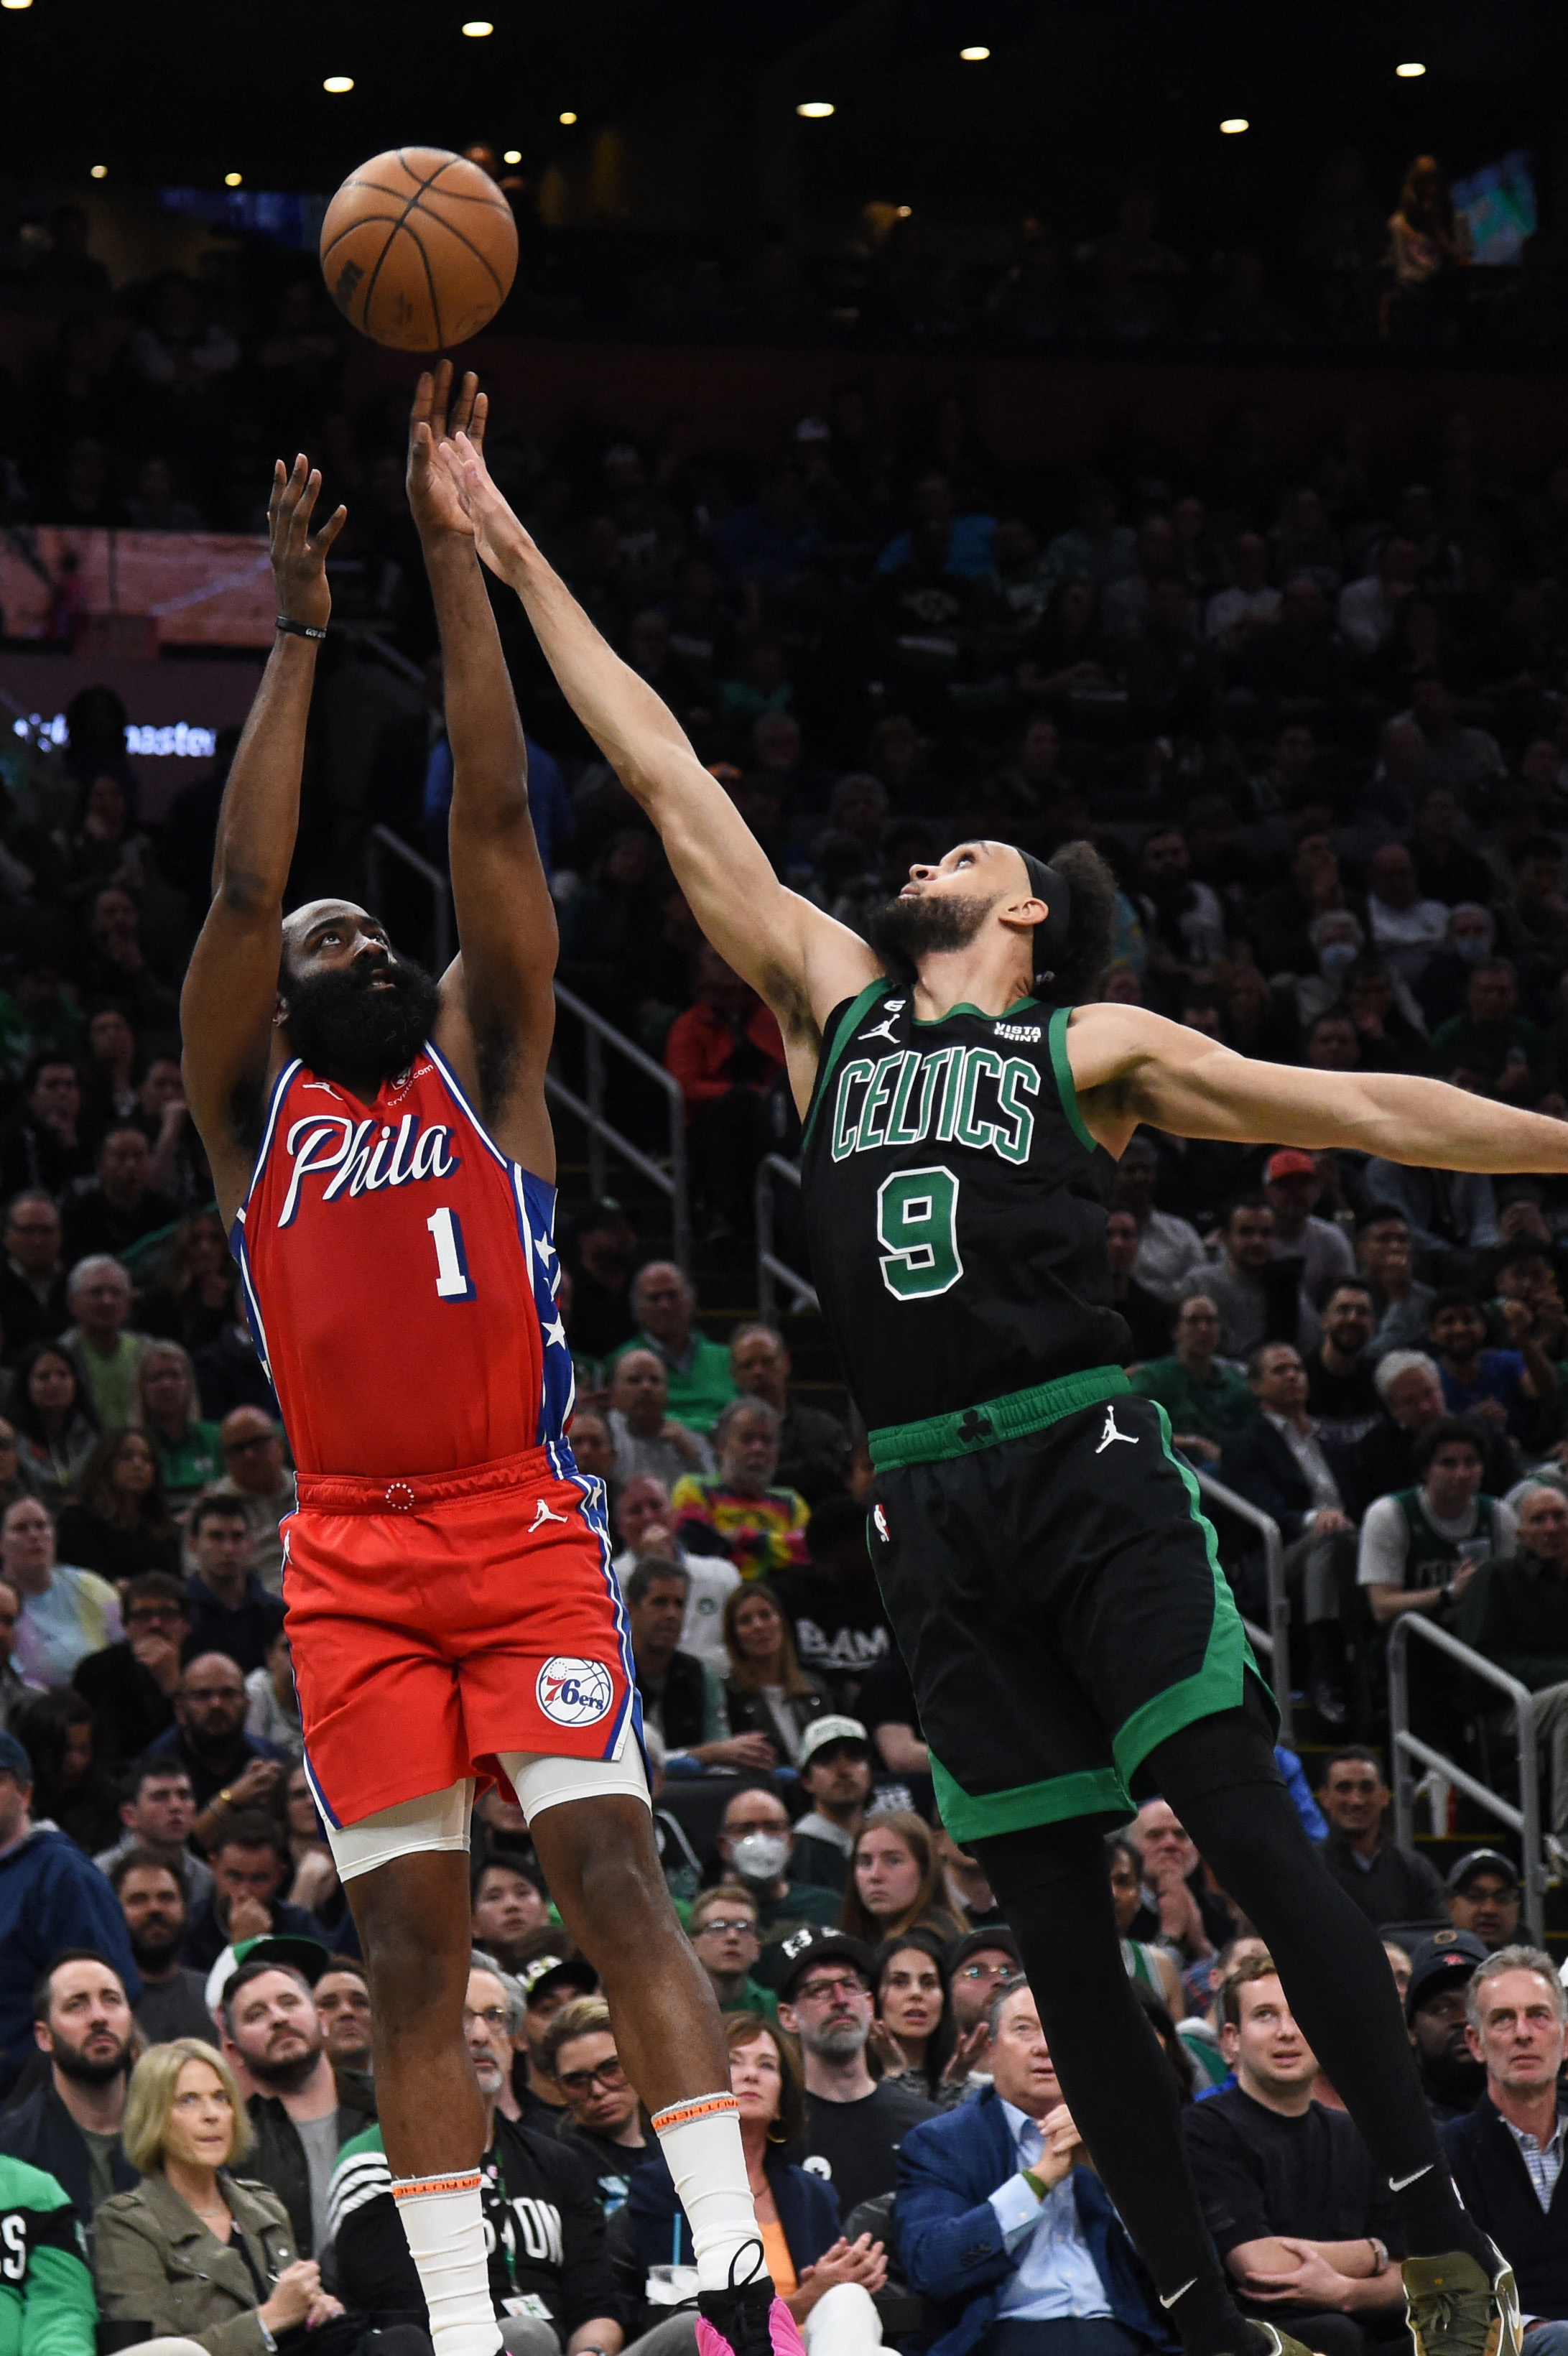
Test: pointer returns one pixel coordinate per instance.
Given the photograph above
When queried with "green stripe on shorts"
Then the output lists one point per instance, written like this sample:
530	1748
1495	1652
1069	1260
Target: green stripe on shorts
970	1815
937	1437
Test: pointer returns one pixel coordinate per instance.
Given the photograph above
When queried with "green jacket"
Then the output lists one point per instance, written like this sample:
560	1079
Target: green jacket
700	1382
158	2264
1216	1410
1516	1612
46	2307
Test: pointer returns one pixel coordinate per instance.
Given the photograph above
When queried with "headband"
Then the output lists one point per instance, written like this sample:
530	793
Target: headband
1052	937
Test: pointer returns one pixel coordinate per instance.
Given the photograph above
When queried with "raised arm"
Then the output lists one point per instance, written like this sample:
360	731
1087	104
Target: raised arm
799	958
231	984
1129	1065
498	1002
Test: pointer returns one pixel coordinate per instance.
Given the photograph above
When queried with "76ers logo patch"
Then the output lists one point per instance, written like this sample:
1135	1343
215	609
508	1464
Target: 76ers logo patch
574	1693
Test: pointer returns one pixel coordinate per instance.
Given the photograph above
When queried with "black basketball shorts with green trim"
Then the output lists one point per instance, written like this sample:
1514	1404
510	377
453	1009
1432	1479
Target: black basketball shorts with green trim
1059	1600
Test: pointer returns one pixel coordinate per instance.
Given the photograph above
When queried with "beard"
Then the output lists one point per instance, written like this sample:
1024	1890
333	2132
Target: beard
154	1947
837	2040
345	1030
1454	2077
904	931
283	2077
82	2071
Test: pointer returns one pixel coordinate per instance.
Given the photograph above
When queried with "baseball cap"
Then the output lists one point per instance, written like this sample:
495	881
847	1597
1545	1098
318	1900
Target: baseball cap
974	1943
815	1944
1477	1860
308	1958
14	1760
1445	1960
576	1970
830	1728
1290	1161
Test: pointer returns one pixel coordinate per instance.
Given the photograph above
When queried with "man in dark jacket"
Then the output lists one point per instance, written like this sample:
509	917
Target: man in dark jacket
51	1898
1507	2157
1515	1611
1434	2006
549	2273
132	1684
1001	2225
299	2116
1390	1884
69	2126
250	1865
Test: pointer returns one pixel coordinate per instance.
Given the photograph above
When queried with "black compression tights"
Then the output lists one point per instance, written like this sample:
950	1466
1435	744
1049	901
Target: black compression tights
1221	1778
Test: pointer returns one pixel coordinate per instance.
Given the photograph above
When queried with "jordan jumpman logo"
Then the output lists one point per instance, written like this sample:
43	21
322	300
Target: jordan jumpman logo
542	1513
1111	1434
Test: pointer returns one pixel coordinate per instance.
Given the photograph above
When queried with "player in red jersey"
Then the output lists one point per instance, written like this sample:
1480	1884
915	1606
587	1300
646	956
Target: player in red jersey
380	1147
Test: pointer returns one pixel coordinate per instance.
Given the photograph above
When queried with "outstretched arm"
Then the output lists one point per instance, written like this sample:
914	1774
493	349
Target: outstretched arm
231	984
499	1005
1130	1066
799	959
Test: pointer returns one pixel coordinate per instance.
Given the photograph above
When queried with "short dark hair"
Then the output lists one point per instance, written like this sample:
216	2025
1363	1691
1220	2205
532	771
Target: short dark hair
43	1986
1454	1296
45	1061
1445	1432
1364	1754
135	1858
154	1586
1381	1214
251	1829
1260	1351
152	1767
1348	1284
214	1509
1250	1968
647	1570
1247	1202
242	1976
524	1869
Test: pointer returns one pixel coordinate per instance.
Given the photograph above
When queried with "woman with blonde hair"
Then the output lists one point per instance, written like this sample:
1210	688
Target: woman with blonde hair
767	1691
196	2252
896	1880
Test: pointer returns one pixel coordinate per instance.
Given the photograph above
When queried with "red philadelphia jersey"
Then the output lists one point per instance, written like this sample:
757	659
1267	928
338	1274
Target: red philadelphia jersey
400	1277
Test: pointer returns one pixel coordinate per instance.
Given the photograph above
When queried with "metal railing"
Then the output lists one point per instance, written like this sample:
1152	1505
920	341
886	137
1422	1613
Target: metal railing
1524	1820
770	1268
605	1139
379	843
1275	1639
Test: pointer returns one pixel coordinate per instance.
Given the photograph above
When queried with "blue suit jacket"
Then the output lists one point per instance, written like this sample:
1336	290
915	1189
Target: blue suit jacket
950	2244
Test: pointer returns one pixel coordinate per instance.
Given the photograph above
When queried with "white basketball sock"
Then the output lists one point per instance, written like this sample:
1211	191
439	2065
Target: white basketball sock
446	2232
701	2141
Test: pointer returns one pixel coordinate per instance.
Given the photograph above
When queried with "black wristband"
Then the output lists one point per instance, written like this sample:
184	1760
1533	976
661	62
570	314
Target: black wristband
300	630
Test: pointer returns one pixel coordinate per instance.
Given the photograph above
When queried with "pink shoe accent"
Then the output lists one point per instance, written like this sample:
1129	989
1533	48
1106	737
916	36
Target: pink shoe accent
782	2329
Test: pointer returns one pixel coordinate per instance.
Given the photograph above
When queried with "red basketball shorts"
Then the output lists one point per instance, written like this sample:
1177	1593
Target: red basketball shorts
438	1621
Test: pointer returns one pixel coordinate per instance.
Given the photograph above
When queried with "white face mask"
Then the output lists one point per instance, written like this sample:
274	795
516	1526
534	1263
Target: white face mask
1334	957
760	1857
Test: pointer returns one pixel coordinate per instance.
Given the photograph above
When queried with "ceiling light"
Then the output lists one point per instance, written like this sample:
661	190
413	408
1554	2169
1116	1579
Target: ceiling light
478	28
815	110
339	83
100	172
975	56
233	180
568	118
1234	123
15	4
904	212
1411	71
513	155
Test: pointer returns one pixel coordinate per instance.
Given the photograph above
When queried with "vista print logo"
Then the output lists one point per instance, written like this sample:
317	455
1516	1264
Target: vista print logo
574	1693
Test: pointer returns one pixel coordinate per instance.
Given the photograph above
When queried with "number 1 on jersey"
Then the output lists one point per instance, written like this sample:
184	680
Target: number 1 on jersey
916	1225
453	1282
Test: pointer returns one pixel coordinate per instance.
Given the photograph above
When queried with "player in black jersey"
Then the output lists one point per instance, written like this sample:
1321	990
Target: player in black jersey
1053	1584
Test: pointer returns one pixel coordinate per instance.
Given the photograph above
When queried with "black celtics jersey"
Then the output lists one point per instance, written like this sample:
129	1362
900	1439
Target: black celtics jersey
955	1204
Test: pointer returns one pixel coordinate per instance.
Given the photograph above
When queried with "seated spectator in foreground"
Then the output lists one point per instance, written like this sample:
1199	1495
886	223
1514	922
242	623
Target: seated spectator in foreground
1411	1389
682	1698
912	2035
228	1768
836	1774
665	1306
157	1810
1004	2227
190	2251
117	1523
1387	1260
550	2272
648	1438
1484	1897
250	1864
173	2002
56	1425
854	2122
1516	2007
1341	1391
722	1927
1209	1402
1515	1612
230	1609
645	1523
256	1475
1299	2214
1390	1884
1180	1910
1452	2080
813	1446
766	1692
71	2124
827	2282
1293	1187
604	2116
756	1845
66	1612
132	1684
737	1509
299	2115
508	1905
1416	1546
1516	1388
342	2000
46	2295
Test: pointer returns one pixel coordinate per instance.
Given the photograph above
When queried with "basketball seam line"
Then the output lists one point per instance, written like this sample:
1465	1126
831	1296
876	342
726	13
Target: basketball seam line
453	231
396	219
386	248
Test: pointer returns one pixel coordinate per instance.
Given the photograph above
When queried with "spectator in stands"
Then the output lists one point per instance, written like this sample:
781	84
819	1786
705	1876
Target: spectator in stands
298	2121
757	1846
912	2034
722	1927
1341	1393
152	1895
854	2123
645	1523
69	2125
1440	1970
1181	1911
255	1471
1517	1386
602	1261
1515	1611
1001	2223
1484	1897
42	1147
1154	1967
1258	1297
105	1350
251	1864
32	1275
46	2294
157	1810
1516	2009
1403	1305
229	1609
1298	2213
228	1768
726	1053
665	1307
55	1423
272	1707
836	1774
1209	1402
759	1526
109	1213
604	2115
1505	1052
189	2252
189	1450
833	1603
66	1612
342	2000
1169	1250
682	1698
550	1973
117	1523
509	1903
71	1787
544	2223
131	1685
1390	1884
50	1898
1148	1318
16	1690
1411	1389
648	1440
813	1446
1406	928
1420	1547
1293	1187
766	1692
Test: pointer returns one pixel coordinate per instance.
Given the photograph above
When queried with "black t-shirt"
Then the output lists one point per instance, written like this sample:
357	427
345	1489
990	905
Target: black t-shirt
840	1628
854	2146
1346	1406
1259	2173
612	2163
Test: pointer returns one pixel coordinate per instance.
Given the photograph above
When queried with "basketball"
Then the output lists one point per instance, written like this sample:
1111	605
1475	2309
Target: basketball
419	249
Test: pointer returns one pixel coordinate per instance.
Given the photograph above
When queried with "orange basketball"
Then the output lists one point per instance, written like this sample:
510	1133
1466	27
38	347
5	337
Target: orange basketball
419	249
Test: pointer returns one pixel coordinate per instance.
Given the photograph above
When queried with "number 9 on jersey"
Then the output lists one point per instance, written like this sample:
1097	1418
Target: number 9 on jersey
917	1226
